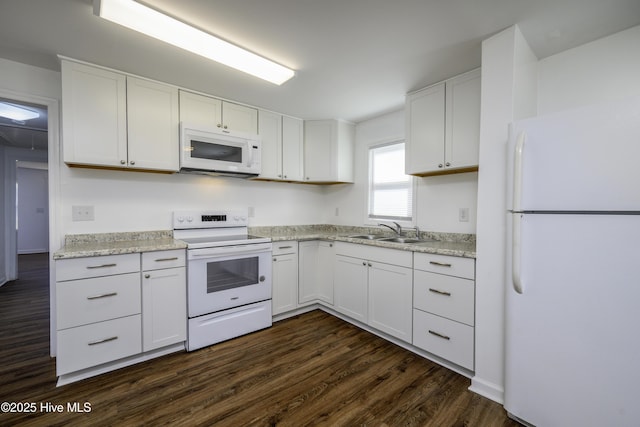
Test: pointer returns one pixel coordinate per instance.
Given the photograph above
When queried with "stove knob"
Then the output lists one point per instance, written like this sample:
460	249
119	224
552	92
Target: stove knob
189	219
180	219
244	218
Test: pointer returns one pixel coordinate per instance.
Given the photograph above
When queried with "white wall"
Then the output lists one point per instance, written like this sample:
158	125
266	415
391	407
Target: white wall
438	198
600	71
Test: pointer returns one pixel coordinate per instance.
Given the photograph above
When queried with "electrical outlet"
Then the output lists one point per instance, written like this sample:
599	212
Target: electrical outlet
463	215
252	212
337	213
82	213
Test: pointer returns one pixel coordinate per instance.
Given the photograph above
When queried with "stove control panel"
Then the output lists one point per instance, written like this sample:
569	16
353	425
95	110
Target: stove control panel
210	219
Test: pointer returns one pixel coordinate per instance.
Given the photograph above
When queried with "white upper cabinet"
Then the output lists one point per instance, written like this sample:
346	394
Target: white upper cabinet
207	111
443	127
328	151
282	147
94	115
114	120
152	125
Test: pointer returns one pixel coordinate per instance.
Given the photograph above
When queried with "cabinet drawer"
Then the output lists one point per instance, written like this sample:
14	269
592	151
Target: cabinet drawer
80	268
282	248
163	259
80	302
91	345
446	296
443	264
450	340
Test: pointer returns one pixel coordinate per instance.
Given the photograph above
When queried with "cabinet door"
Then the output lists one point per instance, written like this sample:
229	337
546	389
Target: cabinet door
285	283
152	122
200	110
94	116
270	131
307	271
292	149
350	287
239	118
164	307
391	300
425	130
318	151
326	256
463	121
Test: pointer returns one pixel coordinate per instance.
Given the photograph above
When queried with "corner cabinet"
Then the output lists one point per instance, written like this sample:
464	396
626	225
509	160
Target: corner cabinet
315	272
328	151
443	127
211	112
282	146
113	120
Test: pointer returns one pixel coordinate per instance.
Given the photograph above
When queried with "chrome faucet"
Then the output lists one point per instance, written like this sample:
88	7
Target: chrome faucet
397	230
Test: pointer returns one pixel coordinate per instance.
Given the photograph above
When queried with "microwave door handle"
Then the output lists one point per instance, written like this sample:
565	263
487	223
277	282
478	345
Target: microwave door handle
250	159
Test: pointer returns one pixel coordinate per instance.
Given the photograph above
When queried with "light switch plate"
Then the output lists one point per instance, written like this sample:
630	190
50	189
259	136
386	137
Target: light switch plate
463	215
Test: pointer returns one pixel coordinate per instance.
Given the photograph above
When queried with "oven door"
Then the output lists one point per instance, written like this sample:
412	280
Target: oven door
229	276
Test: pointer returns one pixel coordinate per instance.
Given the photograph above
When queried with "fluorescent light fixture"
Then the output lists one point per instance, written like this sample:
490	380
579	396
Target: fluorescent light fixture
138	17
15	112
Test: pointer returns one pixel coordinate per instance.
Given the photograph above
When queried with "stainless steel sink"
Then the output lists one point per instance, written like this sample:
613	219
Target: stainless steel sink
411	240
401	240
366	236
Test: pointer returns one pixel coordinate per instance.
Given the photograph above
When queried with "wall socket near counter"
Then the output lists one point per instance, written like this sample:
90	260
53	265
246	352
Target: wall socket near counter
82	213
252	211
463	215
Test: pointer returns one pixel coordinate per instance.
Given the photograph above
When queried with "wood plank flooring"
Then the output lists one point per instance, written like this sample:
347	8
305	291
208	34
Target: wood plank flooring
313	369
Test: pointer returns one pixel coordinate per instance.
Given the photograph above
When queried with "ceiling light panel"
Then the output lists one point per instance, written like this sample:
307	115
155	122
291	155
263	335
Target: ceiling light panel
15	112
143	19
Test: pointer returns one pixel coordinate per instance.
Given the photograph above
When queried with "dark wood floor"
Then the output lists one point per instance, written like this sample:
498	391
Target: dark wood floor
313	369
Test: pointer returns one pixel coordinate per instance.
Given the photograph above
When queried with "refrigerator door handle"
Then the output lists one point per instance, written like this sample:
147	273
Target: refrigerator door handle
516	248
517	172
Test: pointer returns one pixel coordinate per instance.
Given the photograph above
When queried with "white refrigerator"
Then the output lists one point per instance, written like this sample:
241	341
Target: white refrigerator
572	319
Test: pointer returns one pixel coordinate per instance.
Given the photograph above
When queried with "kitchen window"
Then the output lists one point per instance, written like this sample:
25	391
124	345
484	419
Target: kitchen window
391	191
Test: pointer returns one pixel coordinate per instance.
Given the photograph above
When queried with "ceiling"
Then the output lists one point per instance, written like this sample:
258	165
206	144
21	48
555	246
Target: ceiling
355	59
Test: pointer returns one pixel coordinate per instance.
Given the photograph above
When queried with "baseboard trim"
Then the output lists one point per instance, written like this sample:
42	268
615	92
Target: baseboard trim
487	389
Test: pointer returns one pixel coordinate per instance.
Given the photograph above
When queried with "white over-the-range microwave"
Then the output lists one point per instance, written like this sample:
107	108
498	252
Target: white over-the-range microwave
217	151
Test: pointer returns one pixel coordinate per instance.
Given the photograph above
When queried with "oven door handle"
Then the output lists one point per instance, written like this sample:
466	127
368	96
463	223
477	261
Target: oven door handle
230	250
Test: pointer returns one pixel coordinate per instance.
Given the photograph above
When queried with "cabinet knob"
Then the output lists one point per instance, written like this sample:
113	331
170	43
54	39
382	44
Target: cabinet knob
369	264
307	178
219	125
447	164
146	276
132	162
279	176
275	259
364	263
225	126
285	177
440	165
123	162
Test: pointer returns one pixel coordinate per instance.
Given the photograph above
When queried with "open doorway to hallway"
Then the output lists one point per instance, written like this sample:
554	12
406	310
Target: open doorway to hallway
24	194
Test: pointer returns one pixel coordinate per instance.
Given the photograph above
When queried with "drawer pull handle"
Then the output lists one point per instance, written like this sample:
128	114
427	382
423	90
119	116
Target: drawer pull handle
103	341
439	335
175	258
285	247
90	267
436	291
110	294
440	264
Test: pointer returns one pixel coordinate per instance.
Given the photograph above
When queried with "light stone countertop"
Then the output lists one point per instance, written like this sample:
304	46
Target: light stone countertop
87	245
460	245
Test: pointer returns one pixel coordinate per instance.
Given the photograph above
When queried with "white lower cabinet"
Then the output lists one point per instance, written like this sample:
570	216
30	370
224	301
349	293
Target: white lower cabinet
374	286
284	277
315	272
444	307
164	299
109	308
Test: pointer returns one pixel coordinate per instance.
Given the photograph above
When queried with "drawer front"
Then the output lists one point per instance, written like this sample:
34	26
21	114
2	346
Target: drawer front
80	302
450	340
451	265
91	345
163	259
282	248
446	296
80	268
